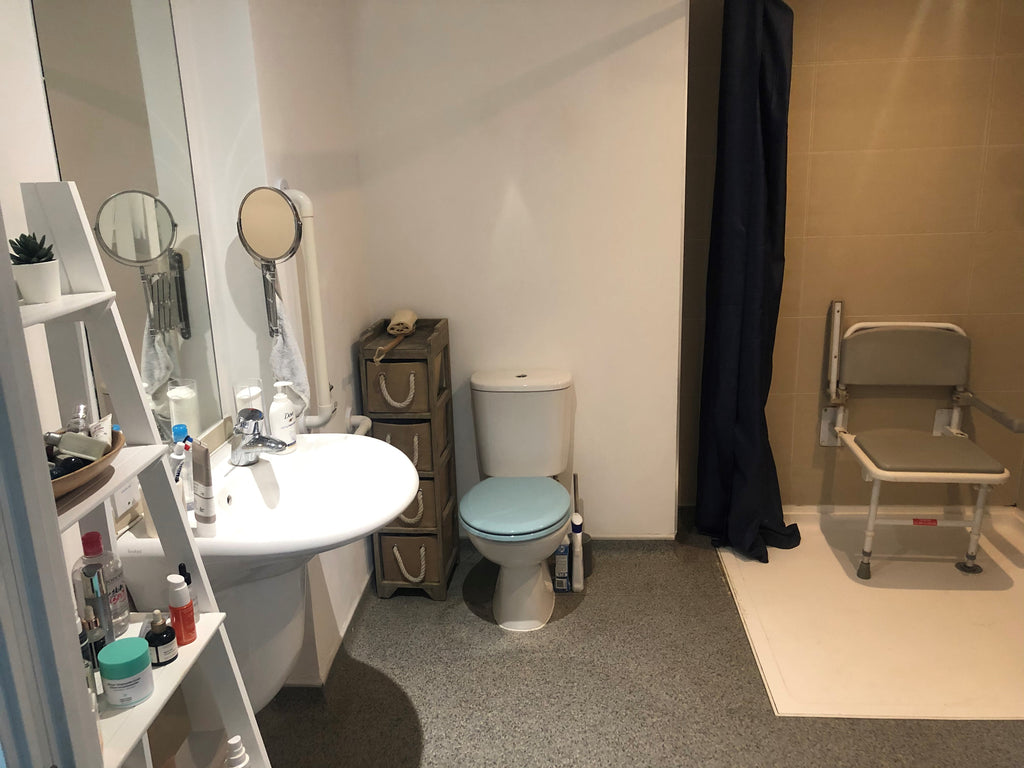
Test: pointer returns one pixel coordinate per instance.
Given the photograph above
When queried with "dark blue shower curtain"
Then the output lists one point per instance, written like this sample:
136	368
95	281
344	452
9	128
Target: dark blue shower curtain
738	499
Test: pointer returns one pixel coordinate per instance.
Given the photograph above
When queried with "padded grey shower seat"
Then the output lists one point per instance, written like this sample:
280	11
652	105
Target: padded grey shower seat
908	450
913	355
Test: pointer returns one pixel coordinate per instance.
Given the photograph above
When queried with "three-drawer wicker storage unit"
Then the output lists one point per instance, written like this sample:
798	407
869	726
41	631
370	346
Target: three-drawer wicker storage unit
408	395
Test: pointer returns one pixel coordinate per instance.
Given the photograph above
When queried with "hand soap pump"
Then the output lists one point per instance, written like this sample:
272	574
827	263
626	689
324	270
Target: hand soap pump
282	415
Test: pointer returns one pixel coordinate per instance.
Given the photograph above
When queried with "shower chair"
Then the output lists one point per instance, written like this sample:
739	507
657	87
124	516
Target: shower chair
910	355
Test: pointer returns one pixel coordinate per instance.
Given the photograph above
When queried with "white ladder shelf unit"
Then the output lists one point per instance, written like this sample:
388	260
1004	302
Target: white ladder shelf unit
86	319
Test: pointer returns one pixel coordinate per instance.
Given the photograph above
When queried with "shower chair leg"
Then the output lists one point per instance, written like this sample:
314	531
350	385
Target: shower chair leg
969	563
864	569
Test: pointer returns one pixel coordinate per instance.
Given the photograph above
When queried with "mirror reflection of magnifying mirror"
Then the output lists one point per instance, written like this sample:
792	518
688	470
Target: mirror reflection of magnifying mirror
135	227
269	225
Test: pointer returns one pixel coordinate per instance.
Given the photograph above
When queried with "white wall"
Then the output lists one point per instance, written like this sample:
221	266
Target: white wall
26	154
237	144
26	145
522	172
515	167
303	71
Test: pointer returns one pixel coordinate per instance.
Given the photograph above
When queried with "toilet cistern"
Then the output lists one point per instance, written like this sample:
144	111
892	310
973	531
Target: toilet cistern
248	440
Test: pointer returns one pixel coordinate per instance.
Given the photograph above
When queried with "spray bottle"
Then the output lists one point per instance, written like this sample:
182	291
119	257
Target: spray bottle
577	552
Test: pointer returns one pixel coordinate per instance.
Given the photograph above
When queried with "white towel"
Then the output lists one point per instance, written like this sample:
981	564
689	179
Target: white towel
158	365
286	357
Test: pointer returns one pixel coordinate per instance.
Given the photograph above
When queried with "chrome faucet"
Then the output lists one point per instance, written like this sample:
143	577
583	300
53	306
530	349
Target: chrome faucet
248	440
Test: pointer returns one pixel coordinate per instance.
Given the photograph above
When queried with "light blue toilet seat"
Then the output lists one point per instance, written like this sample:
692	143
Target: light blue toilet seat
514	508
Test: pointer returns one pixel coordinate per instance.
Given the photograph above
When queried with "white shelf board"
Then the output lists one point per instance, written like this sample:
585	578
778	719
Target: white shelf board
126	465
123	727
74	306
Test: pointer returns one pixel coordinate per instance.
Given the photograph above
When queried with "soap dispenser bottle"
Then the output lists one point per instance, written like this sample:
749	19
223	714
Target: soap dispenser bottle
282	415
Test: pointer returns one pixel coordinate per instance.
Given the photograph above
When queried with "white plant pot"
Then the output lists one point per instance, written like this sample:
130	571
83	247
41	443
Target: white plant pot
38	283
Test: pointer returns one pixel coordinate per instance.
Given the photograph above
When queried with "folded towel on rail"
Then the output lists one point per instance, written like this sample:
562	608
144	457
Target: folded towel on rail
159	362
286	357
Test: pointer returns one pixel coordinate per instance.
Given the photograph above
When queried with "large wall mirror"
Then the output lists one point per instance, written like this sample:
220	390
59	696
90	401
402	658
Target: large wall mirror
112	84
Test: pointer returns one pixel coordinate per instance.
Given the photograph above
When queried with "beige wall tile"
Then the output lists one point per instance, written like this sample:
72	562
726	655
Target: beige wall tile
997	273
796	193
785	357
792	278
901	104
779	415
801	95
806	416
997	344
1002	200
889	29
894	191
1011	28
887	274
805	30
810	367
1007	123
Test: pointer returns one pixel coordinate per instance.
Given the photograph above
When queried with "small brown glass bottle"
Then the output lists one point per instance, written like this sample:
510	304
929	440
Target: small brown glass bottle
163	647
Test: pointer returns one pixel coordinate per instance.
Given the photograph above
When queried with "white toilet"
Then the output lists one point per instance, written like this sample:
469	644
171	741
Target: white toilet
517	516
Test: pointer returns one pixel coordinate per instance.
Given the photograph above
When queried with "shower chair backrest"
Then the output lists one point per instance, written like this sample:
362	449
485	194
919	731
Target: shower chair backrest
905	354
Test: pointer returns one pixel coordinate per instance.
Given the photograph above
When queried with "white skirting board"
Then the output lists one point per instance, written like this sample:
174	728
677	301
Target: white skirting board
920	639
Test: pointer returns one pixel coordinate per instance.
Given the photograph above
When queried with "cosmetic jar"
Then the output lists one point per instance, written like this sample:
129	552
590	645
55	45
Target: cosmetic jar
126	672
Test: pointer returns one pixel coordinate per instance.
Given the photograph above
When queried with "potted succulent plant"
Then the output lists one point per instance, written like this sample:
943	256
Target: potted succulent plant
36	270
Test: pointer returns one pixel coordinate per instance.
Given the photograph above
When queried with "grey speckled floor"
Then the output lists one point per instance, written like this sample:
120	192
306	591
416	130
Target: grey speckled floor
649	667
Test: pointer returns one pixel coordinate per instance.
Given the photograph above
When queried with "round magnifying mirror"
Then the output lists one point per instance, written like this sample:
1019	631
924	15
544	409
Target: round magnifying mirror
269	225
134	227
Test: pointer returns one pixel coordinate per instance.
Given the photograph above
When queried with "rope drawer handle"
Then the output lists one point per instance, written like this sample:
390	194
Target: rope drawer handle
383	382
415	448
419	516
405	573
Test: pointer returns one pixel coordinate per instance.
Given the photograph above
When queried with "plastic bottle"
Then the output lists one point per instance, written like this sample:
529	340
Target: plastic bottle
182	617
181	462
110	607
282	415
577	552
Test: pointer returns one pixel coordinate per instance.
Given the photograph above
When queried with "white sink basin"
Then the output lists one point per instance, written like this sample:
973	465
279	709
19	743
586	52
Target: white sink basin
272	518
274	515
